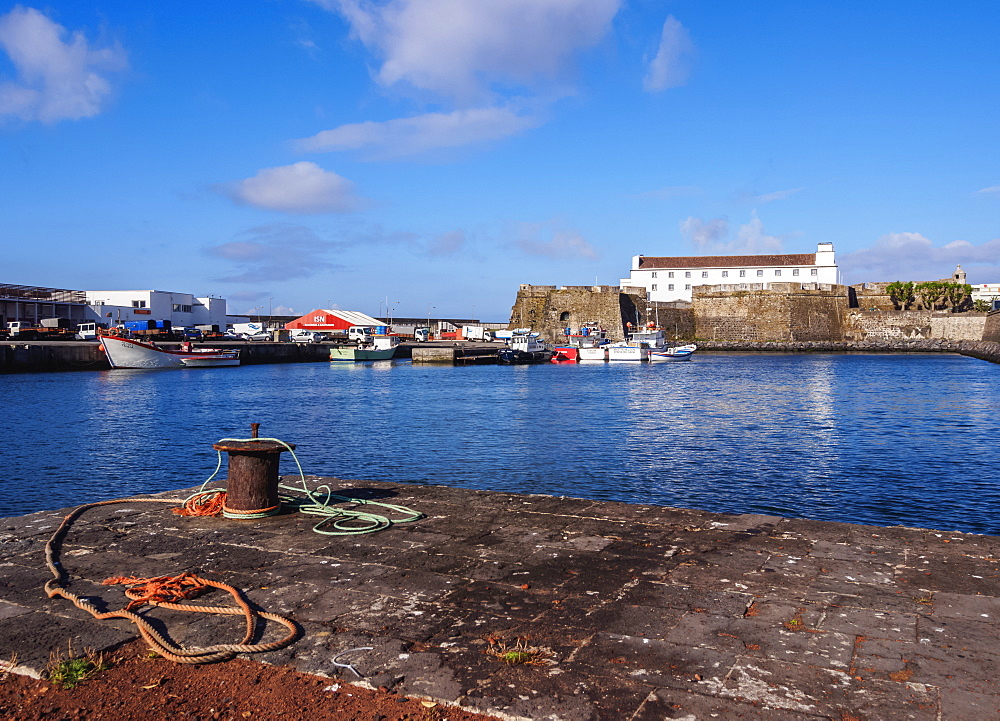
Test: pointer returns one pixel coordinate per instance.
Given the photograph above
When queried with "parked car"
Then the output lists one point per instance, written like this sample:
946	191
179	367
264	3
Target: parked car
256	336
306	336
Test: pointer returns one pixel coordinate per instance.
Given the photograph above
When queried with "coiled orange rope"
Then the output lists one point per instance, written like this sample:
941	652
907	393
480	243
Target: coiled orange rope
163	591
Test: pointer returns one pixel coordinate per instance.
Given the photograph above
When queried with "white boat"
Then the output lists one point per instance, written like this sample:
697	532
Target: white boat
593	353
638	347
677	353
591	343
129	353
381	347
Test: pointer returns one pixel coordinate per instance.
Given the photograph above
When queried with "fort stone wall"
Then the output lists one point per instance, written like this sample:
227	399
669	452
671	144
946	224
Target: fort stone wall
776	311
549	310
913	324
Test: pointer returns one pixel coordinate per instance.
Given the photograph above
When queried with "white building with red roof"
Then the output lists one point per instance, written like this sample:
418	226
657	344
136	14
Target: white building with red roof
671	279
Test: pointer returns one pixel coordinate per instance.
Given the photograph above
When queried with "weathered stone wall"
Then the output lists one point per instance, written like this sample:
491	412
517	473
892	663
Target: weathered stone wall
779	311
991	328
871	296
984	350
914	324
549	310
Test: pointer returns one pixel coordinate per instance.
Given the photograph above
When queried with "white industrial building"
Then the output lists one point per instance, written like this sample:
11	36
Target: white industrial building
671	279
181	309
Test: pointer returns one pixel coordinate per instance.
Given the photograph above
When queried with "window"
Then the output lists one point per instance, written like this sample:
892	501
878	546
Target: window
653	287
670	274
814	271
725	274
704	274
760	273
670	287
138	304
777	271
180	308
795	271
743	274
687	287
687	273
564	316
654	273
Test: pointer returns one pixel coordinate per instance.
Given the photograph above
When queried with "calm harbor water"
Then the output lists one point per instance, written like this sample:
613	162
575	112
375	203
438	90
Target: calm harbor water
879	439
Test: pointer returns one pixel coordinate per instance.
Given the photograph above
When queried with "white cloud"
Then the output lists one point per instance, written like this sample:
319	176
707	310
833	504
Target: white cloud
912	256
56	80
407	137
669	69
992	190
543	240
777	195
460	48
711	236
298	188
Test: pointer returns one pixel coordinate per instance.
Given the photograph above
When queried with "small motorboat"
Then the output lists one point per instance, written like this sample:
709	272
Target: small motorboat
677	353
130	353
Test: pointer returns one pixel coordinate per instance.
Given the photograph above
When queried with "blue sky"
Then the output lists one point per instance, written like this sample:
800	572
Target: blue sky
296	154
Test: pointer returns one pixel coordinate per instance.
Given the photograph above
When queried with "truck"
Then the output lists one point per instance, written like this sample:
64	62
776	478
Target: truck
422	335
150	329
248	328
477	332
47	329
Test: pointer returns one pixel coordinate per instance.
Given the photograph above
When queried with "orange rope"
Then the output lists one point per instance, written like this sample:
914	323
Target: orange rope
160	589
213	503
209	503
238	511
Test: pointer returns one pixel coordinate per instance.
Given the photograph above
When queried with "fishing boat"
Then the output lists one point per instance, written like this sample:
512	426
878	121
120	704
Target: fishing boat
380	347
677	353
130	353
588	344
524	348
638	347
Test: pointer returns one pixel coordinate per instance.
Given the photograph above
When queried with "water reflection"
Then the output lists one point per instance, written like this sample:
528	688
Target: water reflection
865	438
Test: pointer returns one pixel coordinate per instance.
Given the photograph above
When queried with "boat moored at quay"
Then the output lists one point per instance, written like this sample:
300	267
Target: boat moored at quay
379	347
523	348
129	353
588	344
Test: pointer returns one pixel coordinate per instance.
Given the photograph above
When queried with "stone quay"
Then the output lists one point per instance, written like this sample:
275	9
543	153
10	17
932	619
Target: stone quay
625	611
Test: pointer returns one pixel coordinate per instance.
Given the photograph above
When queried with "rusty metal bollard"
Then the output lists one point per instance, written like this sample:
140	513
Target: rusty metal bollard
252	486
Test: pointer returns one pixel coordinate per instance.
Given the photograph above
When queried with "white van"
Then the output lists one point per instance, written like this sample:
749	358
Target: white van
87	331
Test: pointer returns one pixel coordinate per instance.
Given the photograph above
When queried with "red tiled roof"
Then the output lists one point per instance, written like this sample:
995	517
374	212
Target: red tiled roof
727	261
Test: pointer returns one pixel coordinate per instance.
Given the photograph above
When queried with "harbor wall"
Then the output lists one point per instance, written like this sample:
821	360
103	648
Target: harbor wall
821	312
991	327
984	350
922	324
548	310
83	356
771	312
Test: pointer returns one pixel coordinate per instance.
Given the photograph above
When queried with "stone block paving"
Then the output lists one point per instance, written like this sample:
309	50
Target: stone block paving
625	611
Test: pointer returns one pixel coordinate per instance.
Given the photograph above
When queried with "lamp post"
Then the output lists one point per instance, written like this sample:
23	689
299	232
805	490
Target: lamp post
429	307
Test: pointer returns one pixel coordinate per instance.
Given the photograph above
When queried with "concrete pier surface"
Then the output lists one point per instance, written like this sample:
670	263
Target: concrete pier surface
613	611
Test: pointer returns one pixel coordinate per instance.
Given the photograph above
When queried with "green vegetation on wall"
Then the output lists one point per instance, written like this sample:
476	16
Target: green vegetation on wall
932	295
